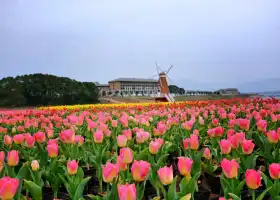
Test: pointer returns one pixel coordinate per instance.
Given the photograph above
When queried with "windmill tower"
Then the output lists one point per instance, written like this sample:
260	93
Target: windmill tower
164	95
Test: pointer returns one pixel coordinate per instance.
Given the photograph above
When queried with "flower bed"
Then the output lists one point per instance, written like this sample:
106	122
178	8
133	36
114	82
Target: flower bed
227	149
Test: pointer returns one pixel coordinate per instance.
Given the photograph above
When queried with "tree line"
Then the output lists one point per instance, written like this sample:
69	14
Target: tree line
44	89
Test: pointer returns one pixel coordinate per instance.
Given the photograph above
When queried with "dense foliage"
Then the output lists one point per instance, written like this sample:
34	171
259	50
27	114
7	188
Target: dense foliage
42	89
176	90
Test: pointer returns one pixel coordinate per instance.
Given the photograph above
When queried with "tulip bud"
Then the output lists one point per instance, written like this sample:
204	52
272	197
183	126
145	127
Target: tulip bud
8	140
121	140
98	137
40	137
35	165
8	188
154	146
52	149
247	146
230	168
72	167
126	155
110	172
207	153
127	192
114	123
67	136
165	175
14	130
2	156
185	166
194	142
128	134
274	171
13	158
140	170
122	166
30	141
225	146
253	179
18	139
272	137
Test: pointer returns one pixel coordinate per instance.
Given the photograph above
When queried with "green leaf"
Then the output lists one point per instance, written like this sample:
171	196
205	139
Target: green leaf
140	190
276	198
192	183
171	195
240	187
143	155
80	189
23	172
266	180
263	194
35	190
234	197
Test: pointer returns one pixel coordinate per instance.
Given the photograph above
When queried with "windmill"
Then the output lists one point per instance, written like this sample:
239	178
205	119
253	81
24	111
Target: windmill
163	84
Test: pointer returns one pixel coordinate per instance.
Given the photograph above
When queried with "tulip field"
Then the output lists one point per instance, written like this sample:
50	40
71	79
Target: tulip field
220	149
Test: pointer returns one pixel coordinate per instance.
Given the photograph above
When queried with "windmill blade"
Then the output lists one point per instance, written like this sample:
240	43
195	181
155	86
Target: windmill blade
172	82
158	68
153	76
169	69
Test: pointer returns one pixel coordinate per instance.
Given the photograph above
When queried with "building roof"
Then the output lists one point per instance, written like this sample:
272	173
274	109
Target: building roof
102	85
134	80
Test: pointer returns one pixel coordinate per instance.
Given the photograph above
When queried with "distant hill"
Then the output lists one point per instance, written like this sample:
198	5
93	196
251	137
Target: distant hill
266	85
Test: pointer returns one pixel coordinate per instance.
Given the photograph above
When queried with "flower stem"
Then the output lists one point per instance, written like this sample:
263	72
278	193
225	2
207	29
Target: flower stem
253	195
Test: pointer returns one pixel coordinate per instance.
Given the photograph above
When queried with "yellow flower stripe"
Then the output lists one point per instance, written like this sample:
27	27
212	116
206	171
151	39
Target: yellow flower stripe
124	105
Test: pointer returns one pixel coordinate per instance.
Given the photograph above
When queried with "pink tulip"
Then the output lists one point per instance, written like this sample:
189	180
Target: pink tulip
126	155
127	133
8	188
52	149
18	139
194	142
215	122
154	146
67	136
185	166
253	179
110	172
114	123
2	156
13	158
72	167
98	137
225	146
244	124
79	140
188	125
140	170
30	141
230	168
186	143
121	140
127	192
40	137
50	133
165	175
8	140
142	136
207	153
247	146
272	137
122	166
262	124
274	171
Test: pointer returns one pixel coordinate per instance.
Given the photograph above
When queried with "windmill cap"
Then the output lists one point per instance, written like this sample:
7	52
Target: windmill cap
162	73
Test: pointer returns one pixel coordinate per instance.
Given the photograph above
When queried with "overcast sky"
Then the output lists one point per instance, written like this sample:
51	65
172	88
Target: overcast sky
98	40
